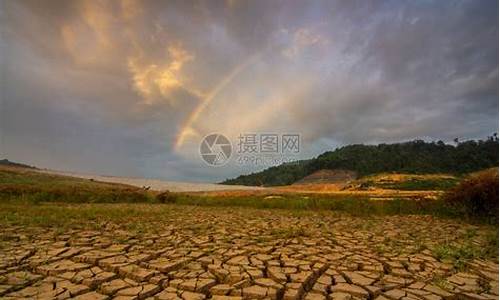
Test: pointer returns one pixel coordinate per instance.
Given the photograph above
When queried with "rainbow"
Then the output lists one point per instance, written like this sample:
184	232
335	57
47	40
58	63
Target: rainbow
187	128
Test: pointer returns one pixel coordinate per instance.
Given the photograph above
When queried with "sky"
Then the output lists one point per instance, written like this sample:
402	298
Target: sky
130	88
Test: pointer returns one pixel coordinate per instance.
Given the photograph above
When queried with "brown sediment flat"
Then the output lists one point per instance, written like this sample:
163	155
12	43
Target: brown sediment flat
222	253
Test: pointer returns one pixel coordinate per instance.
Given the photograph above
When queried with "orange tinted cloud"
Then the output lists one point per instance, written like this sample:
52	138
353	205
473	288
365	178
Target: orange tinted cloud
152	80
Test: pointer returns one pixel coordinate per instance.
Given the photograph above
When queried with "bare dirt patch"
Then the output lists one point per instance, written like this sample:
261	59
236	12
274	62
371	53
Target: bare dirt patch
187	252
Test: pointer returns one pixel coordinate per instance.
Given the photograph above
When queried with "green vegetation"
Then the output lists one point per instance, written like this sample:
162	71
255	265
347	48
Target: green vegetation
354	205
284	174
404	182
35	187
71	215
290	232
467	250
439	184
456	254
441	282
415	157
28	187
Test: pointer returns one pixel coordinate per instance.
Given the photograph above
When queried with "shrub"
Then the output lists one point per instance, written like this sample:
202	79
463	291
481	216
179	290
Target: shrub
476	197
166	197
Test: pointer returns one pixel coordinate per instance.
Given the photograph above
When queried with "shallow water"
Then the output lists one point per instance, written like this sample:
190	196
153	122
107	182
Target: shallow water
156	184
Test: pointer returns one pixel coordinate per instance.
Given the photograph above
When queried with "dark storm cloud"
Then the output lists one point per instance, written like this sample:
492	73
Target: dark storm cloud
108	86
436	68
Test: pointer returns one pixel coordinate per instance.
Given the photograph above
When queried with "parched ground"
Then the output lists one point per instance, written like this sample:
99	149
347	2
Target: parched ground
187	252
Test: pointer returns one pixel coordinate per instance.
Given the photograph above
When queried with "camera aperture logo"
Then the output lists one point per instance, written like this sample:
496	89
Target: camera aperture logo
215	149
258	149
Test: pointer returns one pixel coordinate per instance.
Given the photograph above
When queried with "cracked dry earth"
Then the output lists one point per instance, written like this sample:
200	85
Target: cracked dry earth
209	253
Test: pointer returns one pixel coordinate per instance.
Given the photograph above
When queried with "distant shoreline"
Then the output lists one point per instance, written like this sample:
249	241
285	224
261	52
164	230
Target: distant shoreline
154	184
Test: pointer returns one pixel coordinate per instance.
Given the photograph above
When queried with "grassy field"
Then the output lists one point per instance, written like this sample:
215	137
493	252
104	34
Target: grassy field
24	186
30	186
410	182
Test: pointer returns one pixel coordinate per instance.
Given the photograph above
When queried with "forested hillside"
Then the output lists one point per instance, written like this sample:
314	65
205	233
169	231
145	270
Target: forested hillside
416	157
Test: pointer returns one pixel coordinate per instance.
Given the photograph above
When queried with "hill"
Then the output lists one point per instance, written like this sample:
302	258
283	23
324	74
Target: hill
28	185
6	162
328	176
413	157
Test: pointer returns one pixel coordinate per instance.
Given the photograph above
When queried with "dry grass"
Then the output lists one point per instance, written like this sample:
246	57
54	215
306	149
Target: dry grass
34	187
476	196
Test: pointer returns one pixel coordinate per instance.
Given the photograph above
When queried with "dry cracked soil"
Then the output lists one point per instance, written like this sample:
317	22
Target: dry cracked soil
220	253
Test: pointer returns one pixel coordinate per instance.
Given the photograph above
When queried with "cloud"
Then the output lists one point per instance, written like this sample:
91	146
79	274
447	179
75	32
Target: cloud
304	38
113	86
152	81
